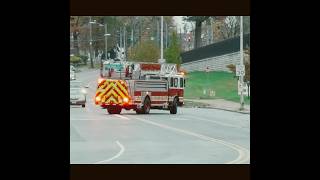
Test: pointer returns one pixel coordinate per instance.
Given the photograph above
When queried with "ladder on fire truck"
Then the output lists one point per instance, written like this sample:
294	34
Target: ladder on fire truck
168	69
156	69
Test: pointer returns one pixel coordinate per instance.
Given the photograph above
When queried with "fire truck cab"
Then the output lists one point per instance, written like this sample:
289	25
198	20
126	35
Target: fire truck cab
146	86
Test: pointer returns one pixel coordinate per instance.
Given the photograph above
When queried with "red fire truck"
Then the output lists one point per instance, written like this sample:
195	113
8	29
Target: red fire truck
143	86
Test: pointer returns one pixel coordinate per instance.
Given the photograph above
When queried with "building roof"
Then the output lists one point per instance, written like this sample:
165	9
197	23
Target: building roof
216	49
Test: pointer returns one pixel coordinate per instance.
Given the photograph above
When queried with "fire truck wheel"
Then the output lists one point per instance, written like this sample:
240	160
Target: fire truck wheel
83	105
114	110
174	107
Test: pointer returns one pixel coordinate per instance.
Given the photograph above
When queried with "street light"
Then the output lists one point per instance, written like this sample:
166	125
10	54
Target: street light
91	60
95	22
106	34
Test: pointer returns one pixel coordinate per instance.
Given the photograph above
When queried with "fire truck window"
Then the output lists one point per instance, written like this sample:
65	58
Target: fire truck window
184	82
181	82
175	82
171	82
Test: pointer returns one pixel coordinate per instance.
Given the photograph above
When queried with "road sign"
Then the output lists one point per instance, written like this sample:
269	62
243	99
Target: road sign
244	88
240	70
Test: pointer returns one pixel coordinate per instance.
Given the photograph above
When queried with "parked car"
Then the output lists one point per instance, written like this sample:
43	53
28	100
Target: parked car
77	94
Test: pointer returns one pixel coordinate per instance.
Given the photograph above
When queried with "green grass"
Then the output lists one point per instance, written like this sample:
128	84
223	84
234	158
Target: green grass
223	83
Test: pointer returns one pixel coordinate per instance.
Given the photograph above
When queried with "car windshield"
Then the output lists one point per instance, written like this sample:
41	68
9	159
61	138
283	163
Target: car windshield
75	84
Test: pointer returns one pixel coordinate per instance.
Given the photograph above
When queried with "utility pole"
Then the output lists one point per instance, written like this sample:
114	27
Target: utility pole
132	37
106	40
166	35
90	28
124	42
161	60
161	37
211	31
157	31
120	44
241	62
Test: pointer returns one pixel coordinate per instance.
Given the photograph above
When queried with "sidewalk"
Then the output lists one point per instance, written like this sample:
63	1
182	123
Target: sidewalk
218	104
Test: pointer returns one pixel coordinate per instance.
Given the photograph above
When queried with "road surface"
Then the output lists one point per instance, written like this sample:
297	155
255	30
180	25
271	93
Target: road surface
192	136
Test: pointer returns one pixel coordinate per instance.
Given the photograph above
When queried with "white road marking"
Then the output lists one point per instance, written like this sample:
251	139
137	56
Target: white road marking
243	153
86	119
180	119
122	117
114	157
216	122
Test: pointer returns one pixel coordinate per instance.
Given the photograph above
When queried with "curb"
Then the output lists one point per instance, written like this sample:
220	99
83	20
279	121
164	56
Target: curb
229	110
222	109
208	107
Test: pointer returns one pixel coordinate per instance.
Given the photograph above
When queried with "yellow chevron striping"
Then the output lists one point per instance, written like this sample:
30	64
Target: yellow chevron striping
104	84
109	89
111	99
111	92
122	88
104	91
120	92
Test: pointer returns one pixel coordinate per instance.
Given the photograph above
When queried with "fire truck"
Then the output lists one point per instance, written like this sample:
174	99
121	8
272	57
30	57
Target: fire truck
141	87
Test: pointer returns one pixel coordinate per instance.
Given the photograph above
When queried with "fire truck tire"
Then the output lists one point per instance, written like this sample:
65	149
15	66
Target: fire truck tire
174	107
83	105
114	110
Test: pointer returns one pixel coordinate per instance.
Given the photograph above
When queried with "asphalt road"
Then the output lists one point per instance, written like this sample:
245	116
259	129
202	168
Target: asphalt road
192	136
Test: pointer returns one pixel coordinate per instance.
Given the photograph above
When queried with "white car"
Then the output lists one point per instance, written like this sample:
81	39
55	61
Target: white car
72	75
77	94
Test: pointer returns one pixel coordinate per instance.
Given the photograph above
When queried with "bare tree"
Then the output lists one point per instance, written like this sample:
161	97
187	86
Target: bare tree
74	28
231	27
198	21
